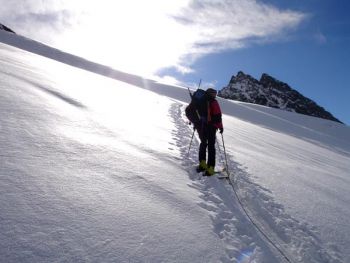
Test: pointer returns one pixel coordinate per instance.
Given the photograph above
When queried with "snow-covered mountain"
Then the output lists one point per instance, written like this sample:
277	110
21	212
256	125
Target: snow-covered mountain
271	92
95	166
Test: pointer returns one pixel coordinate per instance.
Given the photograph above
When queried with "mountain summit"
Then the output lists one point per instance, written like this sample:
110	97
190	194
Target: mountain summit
271	92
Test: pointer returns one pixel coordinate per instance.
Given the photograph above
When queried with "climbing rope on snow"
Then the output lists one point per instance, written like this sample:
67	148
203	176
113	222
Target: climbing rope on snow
231	180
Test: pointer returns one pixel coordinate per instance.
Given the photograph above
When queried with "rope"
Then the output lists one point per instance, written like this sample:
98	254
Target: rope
252	221
250	218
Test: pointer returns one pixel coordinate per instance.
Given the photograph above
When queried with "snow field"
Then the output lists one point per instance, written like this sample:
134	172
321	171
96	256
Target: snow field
88	176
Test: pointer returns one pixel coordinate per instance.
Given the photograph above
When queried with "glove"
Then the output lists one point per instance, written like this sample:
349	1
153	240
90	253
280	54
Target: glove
221	130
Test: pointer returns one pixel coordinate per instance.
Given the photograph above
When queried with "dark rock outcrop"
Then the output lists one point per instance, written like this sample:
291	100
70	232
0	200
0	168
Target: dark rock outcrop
2	27
271	92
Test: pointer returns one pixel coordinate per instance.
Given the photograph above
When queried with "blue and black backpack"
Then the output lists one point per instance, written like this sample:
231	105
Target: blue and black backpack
197	110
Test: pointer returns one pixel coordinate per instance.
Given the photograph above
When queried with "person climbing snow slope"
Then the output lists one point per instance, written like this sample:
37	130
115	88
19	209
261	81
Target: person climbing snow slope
206	117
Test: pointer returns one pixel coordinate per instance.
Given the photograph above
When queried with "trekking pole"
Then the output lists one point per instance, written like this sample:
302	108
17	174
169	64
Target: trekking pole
199	84
189	148
191	95
220	154
223	144
189	91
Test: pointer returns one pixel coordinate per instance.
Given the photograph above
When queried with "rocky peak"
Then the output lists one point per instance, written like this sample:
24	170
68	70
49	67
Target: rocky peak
268	80
241	76
272	83
271	92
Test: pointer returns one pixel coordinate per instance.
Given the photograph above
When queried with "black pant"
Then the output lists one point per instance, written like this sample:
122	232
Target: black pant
207	135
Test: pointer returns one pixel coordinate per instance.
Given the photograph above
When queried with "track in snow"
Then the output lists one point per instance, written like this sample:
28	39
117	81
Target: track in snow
295	241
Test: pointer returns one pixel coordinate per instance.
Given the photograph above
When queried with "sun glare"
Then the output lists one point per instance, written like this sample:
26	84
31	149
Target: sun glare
135	36
142	37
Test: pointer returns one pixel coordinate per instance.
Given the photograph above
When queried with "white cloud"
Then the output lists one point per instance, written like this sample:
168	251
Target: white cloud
42	20
143	36
224	24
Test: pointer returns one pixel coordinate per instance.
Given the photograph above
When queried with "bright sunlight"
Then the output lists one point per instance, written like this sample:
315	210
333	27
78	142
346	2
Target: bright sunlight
136	36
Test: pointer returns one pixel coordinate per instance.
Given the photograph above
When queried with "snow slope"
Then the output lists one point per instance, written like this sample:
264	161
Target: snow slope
96	169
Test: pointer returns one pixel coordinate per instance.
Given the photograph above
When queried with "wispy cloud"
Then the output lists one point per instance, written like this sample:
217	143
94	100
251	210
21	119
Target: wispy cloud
41	20
230	24
320	38
144	36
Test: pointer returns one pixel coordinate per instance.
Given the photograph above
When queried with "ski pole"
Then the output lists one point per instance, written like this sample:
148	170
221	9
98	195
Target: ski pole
191	95
223	144
199	84
220	153
189	148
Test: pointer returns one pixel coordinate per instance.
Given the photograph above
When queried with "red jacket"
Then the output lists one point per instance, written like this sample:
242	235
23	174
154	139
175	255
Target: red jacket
214	114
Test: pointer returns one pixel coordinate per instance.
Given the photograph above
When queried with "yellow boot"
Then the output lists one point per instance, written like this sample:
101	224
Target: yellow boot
210	171
202	166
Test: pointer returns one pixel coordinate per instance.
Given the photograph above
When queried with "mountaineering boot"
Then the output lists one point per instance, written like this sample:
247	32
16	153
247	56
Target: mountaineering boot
202	166
209	171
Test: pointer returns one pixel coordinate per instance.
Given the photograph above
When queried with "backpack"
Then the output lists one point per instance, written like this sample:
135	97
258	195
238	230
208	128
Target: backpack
197	109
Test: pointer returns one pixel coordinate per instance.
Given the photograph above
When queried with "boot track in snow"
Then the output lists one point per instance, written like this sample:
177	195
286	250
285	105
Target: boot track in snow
251	225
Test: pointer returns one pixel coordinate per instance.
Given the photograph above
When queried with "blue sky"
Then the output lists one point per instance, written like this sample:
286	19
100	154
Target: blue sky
303	43
314	59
